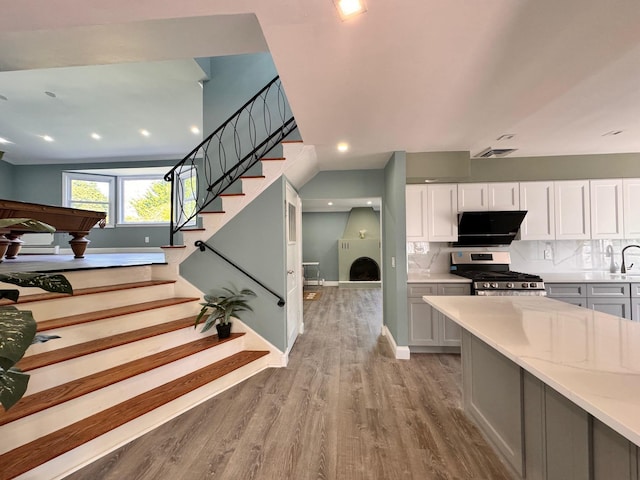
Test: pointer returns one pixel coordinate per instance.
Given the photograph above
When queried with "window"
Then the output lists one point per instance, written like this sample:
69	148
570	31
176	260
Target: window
90	192
143	196
144	199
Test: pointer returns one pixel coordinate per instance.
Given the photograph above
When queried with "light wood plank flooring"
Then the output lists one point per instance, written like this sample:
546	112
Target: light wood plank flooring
343	409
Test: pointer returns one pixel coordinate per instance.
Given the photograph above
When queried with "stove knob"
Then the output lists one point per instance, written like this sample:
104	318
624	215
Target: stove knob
509	285
533	285
485	285
525	285
494	285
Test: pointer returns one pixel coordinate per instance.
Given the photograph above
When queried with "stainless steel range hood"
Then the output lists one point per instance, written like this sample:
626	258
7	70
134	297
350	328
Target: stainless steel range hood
488	228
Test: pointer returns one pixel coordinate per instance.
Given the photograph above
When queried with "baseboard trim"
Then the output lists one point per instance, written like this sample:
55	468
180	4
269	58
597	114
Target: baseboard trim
400	352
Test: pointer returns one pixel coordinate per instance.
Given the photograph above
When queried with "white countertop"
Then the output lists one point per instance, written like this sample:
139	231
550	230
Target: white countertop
591	358
425	277
589	277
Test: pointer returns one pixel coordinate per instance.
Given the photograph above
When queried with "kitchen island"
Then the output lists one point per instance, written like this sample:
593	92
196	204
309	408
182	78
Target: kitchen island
554	387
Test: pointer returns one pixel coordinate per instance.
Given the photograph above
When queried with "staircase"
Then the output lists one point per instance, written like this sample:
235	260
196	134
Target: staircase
129	358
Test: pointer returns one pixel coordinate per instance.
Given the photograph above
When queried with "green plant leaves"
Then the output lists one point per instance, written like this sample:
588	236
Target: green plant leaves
17	330
13	385
221	307
51	283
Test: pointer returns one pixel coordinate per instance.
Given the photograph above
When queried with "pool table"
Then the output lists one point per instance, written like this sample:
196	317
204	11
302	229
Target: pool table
76	222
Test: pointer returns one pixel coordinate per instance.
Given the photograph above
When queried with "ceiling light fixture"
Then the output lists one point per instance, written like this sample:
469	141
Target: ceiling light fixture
2	97
144	132
51	94
195	130
47	138
506	136
330	203
96	136
369	202
343	147
4	141
612	133
350	8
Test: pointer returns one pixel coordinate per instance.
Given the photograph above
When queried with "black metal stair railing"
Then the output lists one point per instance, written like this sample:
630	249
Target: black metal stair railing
205	246
228	153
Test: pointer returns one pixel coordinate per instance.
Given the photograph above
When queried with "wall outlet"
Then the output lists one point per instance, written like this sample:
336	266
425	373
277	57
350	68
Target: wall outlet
393	262
146	239
548	253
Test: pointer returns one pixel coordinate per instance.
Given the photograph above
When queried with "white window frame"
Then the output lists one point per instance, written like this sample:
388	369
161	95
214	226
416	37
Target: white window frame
68	177
121	203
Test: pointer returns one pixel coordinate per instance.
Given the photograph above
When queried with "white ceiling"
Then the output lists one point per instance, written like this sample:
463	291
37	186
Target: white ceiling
414	75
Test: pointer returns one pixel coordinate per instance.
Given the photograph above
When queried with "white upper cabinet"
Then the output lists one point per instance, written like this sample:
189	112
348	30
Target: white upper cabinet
472	197
477	197
606	209
631	194
537	198
416	208
572	208
503	196
442	212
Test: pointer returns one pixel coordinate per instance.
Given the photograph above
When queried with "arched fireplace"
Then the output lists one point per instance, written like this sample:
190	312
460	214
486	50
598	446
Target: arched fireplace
364	269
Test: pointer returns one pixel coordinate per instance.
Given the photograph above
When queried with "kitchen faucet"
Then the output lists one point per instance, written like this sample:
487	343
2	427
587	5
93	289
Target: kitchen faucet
623	268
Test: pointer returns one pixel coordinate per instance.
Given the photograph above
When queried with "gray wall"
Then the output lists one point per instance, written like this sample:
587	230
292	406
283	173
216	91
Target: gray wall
6	180
254	240
561	167
344	184
320	234
43	184
394	279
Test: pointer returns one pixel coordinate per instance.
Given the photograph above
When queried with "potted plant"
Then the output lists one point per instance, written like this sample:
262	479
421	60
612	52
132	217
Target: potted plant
18	331
223	305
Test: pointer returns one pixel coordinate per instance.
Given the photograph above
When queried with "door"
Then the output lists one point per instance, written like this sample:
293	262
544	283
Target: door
293	227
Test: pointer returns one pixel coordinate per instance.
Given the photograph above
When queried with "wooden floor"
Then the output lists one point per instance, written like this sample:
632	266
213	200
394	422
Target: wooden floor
343	409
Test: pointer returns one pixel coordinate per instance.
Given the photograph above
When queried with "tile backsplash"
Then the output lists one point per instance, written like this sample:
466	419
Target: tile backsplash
533	256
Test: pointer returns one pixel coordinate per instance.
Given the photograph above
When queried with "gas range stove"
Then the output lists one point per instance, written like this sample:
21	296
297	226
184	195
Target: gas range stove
490	274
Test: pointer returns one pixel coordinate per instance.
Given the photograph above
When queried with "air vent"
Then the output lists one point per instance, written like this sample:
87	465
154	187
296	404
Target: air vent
494	152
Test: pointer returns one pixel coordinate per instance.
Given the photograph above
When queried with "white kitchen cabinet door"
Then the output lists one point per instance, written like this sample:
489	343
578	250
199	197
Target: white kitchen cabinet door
537	198
631	194
442	212
416	208
472	197
503	196
606	209
572	210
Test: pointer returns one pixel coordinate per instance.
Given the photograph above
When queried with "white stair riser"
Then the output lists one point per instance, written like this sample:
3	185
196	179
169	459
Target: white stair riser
42	423
252	185
85	332
73	305
62	372
212	221
272	169
67	463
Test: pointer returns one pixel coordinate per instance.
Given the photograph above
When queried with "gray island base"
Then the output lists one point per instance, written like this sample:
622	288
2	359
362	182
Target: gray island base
555	388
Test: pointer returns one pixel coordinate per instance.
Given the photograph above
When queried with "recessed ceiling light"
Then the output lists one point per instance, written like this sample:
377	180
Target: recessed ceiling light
47	138
2	97
369	202
612	133
4	141
144	133
195	130
343	147
96	136
51	94
330	203
350	8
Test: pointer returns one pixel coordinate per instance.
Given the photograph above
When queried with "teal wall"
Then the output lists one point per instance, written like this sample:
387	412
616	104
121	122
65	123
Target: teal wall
320	234
255	240
6	180
394	279
43	184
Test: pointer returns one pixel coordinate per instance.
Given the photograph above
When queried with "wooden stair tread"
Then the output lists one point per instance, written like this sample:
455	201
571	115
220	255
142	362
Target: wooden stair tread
252	176
35	453
111	312
87	291
56	395
232	195
209	212
60	355
272	159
